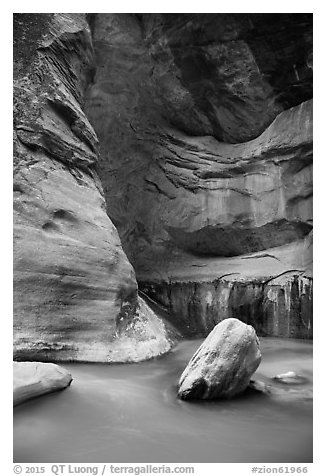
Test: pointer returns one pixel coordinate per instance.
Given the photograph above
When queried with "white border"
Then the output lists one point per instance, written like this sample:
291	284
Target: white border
275	6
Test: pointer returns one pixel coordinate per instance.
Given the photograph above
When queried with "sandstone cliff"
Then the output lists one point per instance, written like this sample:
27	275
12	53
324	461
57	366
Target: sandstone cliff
193	134
205	131
75	292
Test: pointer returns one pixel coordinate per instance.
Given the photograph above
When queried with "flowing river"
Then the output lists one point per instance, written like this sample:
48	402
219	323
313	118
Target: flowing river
130	413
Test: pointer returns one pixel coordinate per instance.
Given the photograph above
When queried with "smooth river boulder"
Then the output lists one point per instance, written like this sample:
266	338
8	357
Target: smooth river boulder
32	379
223	364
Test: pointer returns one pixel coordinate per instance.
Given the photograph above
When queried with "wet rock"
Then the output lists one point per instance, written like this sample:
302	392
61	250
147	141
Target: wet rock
270	290
260	387
223	365
282	393
32	379
142	336
291	378
290	394
287	305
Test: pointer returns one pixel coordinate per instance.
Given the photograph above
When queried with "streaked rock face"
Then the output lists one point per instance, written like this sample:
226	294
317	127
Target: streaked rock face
201	155
270	290
73	283
32	379
168	190
223	364
242	198
205	129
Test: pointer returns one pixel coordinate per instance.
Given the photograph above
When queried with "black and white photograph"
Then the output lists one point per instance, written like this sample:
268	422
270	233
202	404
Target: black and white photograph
162	241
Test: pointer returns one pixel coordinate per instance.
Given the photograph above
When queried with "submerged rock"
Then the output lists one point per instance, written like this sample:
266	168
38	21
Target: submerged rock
290	378
223	364
32	379
142	337
287	394
259	386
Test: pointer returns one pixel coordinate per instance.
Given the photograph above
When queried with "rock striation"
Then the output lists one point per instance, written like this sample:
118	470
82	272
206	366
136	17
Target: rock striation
75	292
223	364
170	149
228	75
270	290
32	379
196	193
205	134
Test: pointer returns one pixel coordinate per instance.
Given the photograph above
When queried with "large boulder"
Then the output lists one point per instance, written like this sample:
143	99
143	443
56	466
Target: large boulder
32	379
223	364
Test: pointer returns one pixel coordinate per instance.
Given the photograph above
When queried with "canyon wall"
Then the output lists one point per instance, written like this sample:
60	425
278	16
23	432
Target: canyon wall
75	292
167	151
205	130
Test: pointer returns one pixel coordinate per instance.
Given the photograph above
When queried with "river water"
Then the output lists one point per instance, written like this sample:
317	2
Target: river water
130	413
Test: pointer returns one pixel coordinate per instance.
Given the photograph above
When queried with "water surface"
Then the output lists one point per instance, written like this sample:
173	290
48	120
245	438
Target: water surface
130	413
